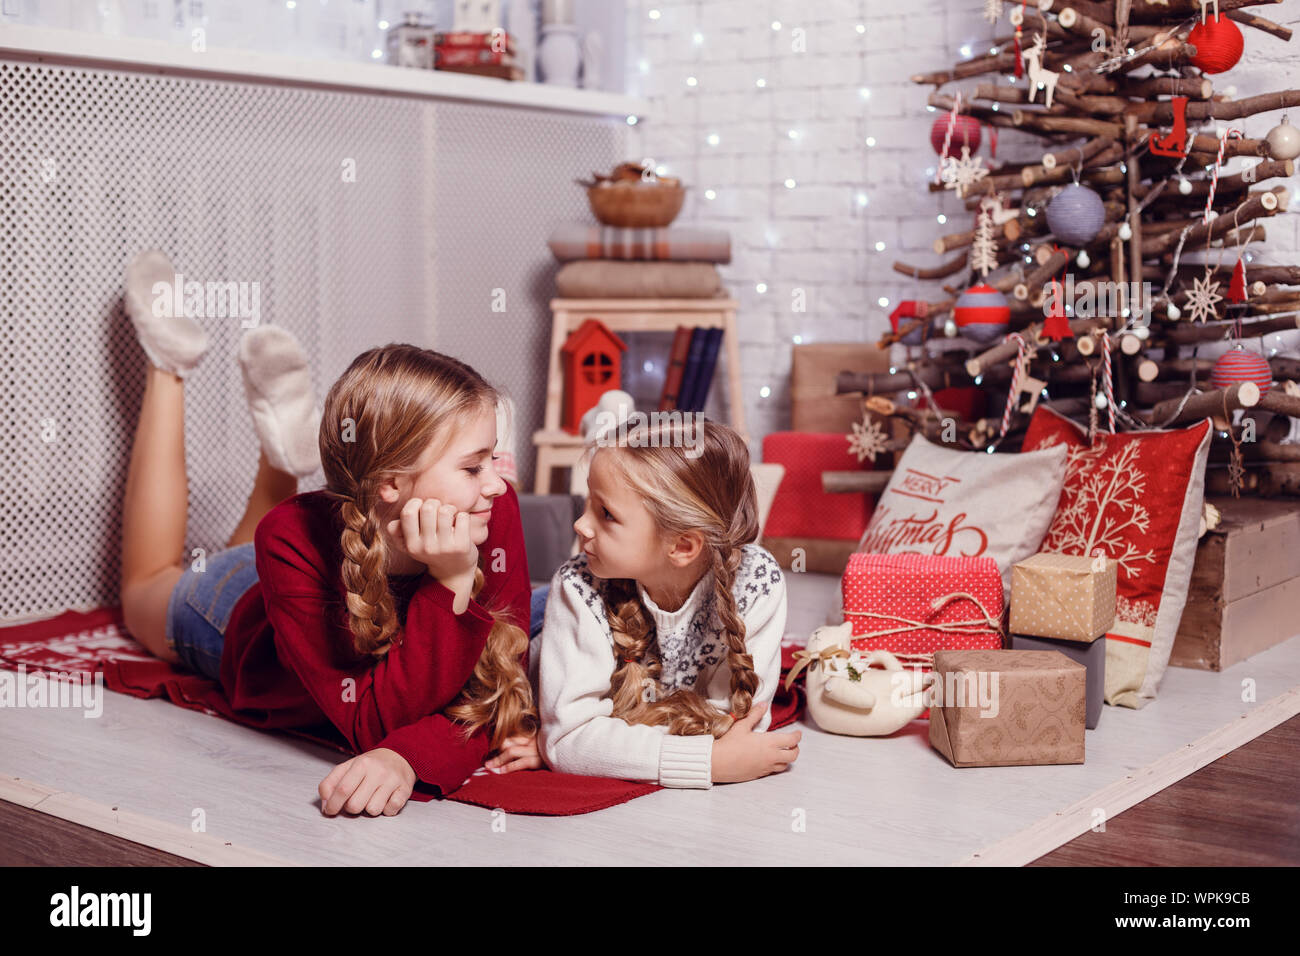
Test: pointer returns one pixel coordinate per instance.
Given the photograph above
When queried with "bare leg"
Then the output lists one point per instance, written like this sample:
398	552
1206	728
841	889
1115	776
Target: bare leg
154	510
270	488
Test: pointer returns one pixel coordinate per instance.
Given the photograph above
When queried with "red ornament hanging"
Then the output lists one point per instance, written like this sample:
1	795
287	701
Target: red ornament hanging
1056	326
1237	288
965	132
1218	43
1173	143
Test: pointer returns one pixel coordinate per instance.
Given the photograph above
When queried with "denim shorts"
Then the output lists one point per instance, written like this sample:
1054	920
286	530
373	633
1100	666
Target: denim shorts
537	610
200	605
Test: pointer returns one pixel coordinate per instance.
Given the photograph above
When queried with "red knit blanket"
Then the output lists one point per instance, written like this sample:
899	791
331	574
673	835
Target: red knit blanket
76	642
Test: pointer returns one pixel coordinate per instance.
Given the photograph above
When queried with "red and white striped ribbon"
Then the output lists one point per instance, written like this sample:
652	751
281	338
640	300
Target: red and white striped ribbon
1015	382
947	137
1107	381
1233	133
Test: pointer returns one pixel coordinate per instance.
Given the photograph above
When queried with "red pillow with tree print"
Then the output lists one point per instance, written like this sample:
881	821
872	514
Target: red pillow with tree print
1136	497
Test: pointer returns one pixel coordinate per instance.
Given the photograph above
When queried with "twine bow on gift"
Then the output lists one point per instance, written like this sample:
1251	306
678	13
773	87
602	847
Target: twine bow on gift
973	626
804	658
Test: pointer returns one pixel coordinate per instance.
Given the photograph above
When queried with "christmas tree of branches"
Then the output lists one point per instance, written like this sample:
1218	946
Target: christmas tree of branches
1092	277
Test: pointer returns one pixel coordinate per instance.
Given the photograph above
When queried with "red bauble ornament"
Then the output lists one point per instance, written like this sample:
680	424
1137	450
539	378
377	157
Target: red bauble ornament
1218	44
965	132
1239	365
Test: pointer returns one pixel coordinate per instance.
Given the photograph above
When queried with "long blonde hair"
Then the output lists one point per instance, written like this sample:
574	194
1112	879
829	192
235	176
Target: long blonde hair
703	484
384	411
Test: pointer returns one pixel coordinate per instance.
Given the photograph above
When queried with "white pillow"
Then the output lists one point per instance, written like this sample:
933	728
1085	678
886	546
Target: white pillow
967	503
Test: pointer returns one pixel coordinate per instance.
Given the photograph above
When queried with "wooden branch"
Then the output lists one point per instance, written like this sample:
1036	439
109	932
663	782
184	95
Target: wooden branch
951	267
1268	169
1161	112
1006	351
1267	479
1266	203
1188	333
1259	23
1280	403
855	482
1193	87
1160	11
1204	404
872	383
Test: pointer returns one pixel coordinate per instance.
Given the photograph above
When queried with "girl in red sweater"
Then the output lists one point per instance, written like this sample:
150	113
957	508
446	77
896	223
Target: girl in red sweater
385	604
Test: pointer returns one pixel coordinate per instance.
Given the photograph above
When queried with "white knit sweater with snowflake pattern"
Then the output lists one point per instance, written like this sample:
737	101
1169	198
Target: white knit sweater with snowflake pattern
577	657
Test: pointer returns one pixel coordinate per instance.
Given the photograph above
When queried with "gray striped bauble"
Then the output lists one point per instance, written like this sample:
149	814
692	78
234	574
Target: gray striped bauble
1240	365
1075	215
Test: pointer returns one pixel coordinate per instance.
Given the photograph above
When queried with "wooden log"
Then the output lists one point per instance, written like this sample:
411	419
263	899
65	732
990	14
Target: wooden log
1257	205
873	383
1282	275
1162	11
1194	87
1059	173
1268	169
1271	479
1161	112
1004	352
1076	154
1204	404
1052	123
855	482
1134	177
1280	403
1186	333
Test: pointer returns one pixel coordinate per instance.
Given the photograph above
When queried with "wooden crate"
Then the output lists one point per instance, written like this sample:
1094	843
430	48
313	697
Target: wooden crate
1245	590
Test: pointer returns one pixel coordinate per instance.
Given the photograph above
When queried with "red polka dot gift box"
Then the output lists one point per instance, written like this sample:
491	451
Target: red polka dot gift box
1135	497
913	604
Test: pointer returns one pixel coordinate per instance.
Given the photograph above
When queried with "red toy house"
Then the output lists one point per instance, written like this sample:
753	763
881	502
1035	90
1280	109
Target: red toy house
593	365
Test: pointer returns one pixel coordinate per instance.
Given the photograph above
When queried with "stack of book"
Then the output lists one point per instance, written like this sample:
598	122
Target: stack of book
484	54
690	369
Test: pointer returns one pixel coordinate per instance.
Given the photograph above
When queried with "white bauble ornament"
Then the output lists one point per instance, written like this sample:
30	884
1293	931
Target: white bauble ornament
1126	232
950	328
1142	333
1083	259
1185	187
1173	311
1283	140
1101	400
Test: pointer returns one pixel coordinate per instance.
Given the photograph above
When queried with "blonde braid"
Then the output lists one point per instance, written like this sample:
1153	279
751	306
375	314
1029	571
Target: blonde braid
372	616
744	680
498	693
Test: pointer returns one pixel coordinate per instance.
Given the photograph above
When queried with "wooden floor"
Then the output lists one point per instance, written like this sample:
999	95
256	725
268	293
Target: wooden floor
1241	810
145	768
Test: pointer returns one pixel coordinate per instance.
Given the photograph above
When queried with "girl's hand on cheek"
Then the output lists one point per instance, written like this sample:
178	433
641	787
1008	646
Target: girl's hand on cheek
438	537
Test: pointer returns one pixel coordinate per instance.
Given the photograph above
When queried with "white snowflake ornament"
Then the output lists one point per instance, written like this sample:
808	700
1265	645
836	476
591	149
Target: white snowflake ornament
993	10
961	174
867	440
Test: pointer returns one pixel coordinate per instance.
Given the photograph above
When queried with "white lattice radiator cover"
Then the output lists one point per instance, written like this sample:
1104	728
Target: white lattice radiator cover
364	219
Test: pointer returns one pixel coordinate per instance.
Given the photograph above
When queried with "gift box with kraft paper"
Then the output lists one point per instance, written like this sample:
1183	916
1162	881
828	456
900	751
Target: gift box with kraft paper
1065	596
1008	708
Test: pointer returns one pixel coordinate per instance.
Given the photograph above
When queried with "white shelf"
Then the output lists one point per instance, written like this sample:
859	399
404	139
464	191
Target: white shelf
84	48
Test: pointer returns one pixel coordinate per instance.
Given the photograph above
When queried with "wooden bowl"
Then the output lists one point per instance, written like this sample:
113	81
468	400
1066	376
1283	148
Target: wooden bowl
636	205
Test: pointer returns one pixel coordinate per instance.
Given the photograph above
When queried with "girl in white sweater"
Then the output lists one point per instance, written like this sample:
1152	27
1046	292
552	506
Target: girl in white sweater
661	647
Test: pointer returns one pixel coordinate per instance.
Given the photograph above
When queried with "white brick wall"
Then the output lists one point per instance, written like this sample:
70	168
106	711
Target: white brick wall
816	236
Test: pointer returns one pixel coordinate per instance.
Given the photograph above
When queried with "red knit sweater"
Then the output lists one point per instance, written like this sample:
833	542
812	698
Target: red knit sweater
289	661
